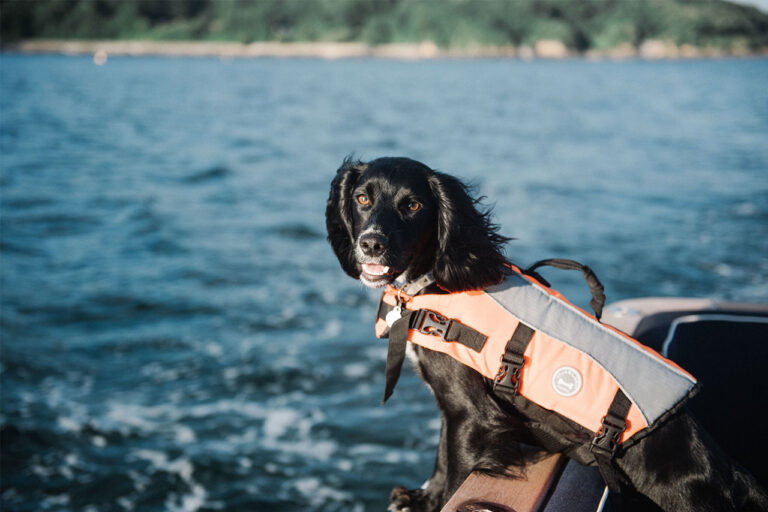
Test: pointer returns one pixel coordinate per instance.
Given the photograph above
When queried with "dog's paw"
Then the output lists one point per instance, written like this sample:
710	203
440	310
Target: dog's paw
404	500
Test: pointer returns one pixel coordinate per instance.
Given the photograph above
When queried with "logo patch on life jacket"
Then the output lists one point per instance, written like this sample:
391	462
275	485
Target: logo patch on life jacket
566	381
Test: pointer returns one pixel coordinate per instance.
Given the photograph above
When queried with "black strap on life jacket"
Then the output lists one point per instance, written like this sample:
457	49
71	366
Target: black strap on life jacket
606	443
429	322
398	340
595	286
508	378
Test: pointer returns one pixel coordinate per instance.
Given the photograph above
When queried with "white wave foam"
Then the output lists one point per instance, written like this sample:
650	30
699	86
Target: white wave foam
125	417
214	349
247	436
134	416
68	424
188	502
401	456
183	467
382	453
184	434
746	209
140	480
724	270
242	407
345	465
332	328
305	448
356	370
60	500
157	459
278	422
126	503
317	493
287	432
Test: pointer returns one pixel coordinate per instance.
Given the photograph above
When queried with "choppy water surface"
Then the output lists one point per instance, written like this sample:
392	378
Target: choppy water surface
176	333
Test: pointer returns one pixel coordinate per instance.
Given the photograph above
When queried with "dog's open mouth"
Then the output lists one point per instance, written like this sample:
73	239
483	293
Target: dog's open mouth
375	274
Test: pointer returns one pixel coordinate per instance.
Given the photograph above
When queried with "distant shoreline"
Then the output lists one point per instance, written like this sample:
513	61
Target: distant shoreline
543	49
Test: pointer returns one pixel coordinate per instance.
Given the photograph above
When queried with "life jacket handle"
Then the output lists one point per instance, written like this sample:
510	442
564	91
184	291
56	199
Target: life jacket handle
595	286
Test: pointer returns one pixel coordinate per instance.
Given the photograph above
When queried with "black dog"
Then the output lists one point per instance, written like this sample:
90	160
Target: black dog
395	217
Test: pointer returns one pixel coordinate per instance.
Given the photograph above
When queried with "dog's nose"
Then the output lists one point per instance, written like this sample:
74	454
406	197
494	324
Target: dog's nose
373	244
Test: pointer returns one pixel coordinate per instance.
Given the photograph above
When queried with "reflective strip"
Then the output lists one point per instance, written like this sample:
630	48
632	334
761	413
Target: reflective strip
654	384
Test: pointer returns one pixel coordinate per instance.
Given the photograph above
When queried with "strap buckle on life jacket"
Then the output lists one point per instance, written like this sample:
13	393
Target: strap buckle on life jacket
508	377
432	323
606	443
613	425
509	372
608	436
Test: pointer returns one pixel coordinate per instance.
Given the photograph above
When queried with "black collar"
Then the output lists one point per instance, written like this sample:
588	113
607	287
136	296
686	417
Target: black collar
411	288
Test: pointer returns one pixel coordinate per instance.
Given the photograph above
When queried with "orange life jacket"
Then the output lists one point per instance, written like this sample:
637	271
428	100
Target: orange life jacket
545	353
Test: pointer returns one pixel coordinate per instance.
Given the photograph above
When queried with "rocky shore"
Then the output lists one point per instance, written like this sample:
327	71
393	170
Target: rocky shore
543	49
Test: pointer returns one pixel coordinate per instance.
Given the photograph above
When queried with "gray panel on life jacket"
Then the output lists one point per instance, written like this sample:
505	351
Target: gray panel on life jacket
653	385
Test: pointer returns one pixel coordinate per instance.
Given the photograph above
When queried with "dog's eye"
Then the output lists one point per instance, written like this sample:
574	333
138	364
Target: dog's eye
414	206
363	200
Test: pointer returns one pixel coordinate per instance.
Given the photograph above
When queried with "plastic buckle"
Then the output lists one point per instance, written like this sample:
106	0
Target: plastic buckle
434	324
607	438
509	372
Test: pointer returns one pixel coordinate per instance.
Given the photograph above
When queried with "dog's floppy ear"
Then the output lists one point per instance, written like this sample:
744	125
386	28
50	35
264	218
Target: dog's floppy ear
338	214
469	249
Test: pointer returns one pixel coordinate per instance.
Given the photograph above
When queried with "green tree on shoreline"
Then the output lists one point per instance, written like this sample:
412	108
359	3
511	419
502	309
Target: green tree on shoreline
579	24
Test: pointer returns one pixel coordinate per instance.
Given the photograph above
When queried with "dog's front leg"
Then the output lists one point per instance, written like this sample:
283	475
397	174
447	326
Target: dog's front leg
431	496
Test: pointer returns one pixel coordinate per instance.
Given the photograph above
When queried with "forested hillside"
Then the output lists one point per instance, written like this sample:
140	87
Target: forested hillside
580	24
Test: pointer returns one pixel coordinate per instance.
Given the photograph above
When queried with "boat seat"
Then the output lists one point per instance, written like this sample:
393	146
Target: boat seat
728	354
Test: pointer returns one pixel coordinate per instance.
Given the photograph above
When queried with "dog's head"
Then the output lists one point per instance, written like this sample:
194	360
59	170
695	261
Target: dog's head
394	216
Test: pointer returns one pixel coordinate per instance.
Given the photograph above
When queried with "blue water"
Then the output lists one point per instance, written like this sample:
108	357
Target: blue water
176	333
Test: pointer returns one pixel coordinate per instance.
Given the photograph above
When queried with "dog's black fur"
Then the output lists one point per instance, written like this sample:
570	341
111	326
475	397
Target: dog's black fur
398	216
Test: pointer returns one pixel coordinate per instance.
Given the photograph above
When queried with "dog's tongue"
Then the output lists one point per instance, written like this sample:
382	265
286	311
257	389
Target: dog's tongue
376	270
